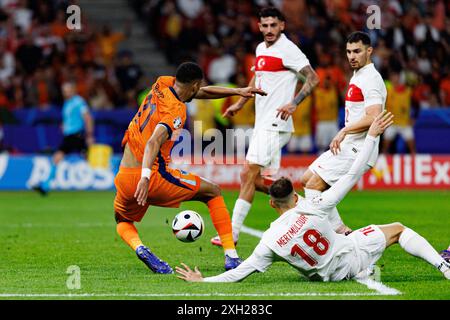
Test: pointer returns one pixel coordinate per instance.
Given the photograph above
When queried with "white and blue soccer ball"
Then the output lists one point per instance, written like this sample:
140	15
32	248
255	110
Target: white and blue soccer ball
188	226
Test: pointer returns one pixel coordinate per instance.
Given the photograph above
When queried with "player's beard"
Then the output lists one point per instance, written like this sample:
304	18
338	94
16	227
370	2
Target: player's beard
274	36
358	65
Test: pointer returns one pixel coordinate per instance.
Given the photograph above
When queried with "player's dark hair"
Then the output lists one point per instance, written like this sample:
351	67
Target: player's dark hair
188	72
281	188
271	12
358	36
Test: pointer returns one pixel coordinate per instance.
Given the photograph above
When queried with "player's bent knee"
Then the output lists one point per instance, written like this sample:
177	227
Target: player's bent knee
305	178
399	227
215	190
120	219
249	174
210	191
316	183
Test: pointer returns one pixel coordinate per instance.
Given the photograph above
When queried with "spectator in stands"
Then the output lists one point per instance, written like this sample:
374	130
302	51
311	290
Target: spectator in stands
326	103
78	131
109	40
29	56
223	67
49	43
245	119
128	73
190	8
398	100
7	64
99	98
301	139
22	16
444	87
59	26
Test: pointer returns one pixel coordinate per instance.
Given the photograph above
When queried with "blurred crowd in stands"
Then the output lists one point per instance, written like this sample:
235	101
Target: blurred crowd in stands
38	52
412	46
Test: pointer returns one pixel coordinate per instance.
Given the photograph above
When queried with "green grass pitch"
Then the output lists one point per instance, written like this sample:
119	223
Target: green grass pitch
41	237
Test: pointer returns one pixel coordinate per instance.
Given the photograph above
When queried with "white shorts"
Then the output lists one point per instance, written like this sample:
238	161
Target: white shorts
370	244
331	167
265	149
300	143
326	131
406	133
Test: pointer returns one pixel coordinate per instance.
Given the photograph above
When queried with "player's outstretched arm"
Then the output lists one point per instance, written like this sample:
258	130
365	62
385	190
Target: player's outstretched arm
152	147
336	193
359	126
235	107
187	274
262	257
312	80
216	92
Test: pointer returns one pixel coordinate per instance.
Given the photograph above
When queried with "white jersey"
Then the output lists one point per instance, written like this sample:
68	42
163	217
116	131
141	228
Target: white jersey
304	237
276	70
366	88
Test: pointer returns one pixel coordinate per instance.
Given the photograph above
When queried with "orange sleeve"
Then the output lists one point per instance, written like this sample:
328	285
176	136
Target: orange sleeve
173	115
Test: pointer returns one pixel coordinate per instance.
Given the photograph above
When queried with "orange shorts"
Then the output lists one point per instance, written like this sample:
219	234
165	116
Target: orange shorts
168	188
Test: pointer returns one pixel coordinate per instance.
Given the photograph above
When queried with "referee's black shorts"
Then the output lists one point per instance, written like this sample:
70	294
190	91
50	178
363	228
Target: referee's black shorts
73	143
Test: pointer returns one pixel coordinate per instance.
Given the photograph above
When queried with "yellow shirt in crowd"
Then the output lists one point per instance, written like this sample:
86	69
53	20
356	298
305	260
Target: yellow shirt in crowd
399	103
326	102
302	118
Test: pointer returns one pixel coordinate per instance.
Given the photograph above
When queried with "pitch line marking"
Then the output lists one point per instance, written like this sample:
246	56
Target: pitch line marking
207	295
381	288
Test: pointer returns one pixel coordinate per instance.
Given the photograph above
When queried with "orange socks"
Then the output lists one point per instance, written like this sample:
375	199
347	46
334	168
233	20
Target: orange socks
221	219
129	234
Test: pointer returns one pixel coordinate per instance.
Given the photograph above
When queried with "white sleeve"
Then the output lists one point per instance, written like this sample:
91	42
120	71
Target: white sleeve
260	260
330	198
294	58
373	92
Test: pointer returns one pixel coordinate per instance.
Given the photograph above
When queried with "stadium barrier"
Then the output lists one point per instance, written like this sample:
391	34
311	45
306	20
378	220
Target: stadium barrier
422	171
43	134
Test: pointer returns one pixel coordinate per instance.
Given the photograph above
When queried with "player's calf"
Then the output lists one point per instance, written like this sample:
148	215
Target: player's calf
418	246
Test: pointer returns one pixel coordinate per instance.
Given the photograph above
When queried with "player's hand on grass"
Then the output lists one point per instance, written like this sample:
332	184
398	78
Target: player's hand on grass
142	191
250	92
286	111
381	122
335	145
232	110
187	274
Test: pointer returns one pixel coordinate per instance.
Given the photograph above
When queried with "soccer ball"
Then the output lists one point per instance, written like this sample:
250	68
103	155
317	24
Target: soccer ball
187	226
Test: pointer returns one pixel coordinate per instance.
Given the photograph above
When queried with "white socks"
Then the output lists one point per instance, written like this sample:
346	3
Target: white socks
418	246
333	217
232	253
240	211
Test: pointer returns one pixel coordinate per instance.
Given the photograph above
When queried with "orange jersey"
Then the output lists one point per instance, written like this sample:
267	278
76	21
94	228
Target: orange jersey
160	106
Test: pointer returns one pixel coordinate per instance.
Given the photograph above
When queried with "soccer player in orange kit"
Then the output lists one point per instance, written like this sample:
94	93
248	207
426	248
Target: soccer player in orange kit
144	177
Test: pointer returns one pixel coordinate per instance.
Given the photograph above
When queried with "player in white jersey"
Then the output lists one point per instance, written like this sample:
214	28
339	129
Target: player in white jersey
365	99
303	236
279	64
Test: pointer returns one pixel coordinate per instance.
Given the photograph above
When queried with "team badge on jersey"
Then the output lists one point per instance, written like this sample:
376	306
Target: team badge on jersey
317	200
177	122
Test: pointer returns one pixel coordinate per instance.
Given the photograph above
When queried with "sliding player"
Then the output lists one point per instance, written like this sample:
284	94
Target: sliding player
304	238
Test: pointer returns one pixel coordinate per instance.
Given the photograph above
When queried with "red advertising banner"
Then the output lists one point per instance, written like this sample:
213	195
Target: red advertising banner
422	171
